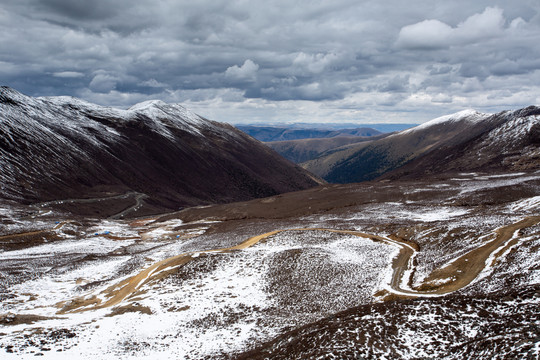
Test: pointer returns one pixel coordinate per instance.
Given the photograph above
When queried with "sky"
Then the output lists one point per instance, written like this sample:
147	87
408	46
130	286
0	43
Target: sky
256	61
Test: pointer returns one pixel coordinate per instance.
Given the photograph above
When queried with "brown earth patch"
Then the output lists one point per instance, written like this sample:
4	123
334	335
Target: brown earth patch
27	239
18	319
128	309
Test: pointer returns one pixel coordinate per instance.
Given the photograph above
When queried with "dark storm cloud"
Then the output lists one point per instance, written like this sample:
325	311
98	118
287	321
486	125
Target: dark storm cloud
78	9
325	58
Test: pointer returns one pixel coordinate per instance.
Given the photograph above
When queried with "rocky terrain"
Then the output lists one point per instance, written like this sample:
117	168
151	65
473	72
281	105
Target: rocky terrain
154	157
431	262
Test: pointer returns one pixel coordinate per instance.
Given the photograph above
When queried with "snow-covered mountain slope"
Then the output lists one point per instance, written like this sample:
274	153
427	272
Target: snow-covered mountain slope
512	145
471	116
57	148
433	144
499	326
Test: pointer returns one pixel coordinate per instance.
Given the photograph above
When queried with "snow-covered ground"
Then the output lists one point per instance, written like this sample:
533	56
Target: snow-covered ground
217	303
223	303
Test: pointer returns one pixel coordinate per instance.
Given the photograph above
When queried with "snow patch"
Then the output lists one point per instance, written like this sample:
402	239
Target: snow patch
530	204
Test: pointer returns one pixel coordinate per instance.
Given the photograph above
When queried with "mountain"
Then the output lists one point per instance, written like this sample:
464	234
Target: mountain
302	150
514	145
270	133
58	148
418	267
378	331
465	141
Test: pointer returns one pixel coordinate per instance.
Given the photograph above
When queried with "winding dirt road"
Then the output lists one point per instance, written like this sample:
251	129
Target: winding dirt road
117	293
44	207
138	203
452	277
465	269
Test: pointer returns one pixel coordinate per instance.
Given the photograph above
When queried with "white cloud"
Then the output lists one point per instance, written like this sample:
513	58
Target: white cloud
314	63
428	34
441	98
486	25
435	34
68	74
246	72
103	82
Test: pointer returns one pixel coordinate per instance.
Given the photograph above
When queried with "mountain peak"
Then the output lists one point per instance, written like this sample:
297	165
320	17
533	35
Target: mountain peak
468	114
147	104
528	111
6	90
157	109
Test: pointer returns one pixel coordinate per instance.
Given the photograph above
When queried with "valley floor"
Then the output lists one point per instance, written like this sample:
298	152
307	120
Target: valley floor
396	270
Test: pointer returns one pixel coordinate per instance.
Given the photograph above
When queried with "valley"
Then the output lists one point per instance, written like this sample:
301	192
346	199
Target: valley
153	232
261	180
232	280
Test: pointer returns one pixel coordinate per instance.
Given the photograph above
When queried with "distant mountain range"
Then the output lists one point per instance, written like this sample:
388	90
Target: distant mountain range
60	148
270	133
382	127
163	157
299	144
465	141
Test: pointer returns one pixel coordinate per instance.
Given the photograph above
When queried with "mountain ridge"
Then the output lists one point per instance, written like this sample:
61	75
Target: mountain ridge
442	136
62	147
513	145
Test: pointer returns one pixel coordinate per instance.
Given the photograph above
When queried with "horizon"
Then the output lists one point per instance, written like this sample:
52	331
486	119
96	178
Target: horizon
307	62
380	126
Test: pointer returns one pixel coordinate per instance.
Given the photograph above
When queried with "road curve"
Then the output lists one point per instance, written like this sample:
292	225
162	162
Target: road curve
42	207
463	270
